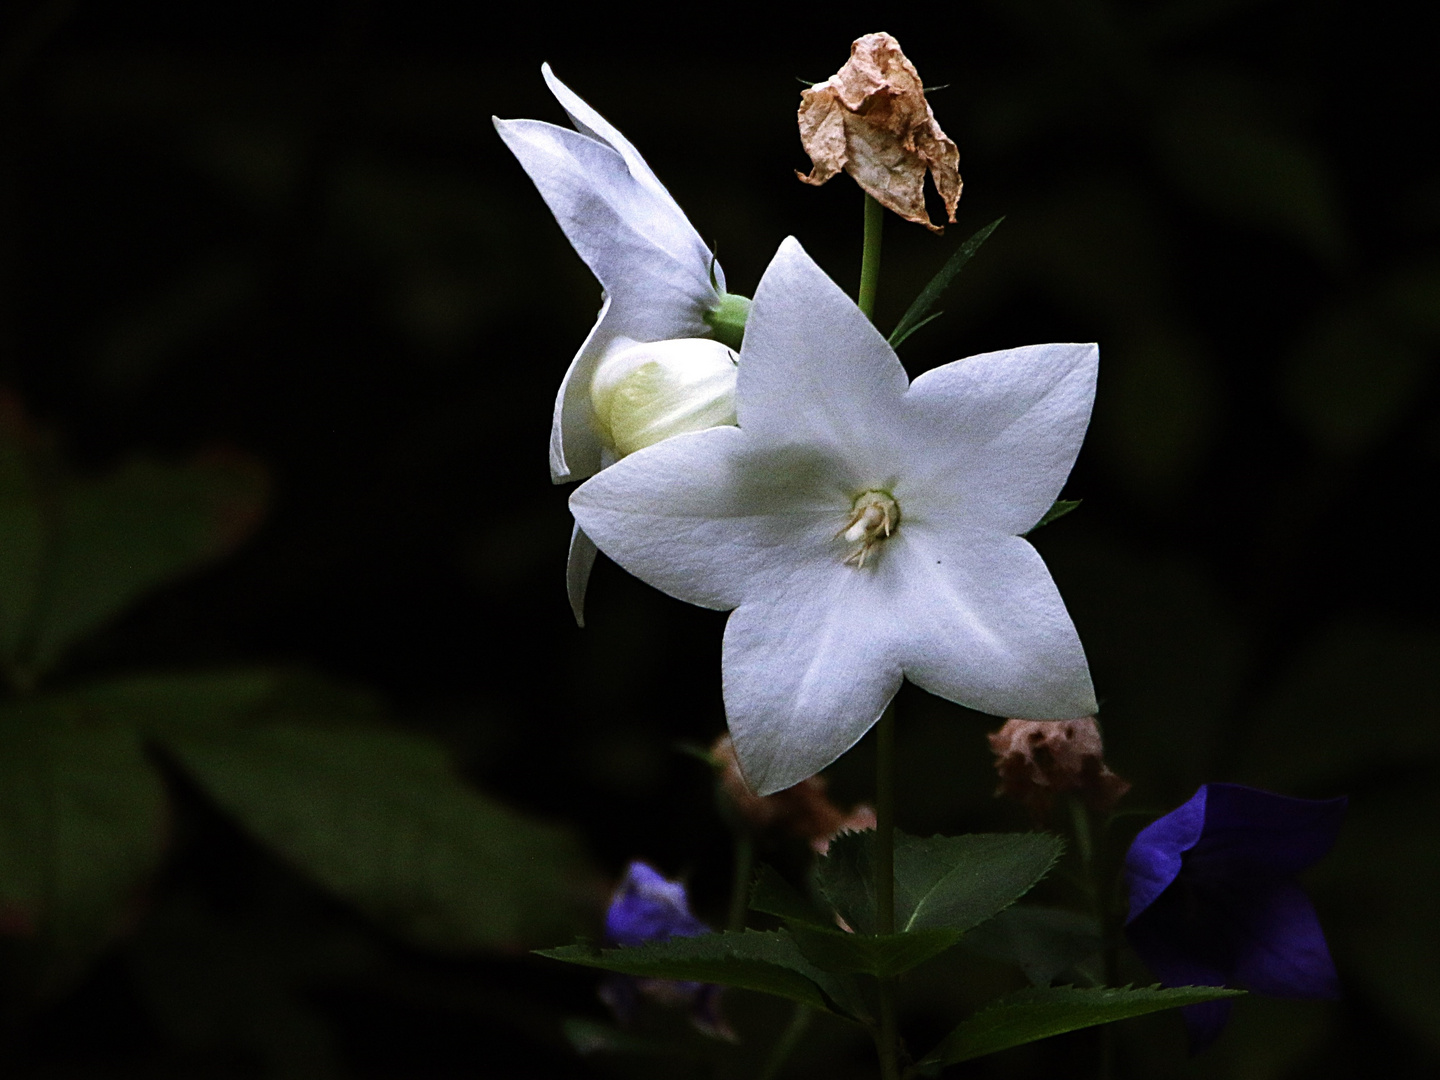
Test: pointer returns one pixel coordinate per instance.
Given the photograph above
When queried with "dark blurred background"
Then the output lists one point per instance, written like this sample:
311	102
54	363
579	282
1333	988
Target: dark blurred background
286	235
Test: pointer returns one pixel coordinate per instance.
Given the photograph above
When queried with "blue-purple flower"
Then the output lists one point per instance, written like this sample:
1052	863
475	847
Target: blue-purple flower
1214	901
648	907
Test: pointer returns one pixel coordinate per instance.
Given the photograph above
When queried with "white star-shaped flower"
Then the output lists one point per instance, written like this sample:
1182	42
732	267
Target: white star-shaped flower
659	283
864	528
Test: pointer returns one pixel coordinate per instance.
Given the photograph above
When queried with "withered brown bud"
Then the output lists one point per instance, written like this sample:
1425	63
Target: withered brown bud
871	119
803	810
1040	759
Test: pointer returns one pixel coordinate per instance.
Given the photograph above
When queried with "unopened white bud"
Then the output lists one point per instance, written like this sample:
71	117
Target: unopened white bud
647	392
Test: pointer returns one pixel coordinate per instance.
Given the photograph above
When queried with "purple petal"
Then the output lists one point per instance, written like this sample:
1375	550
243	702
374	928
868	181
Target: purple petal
1250	832
1281	948
649	907
1154	859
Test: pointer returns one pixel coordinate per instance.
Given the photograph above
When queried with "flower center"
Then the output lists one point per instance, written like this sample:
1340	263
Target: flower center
873	518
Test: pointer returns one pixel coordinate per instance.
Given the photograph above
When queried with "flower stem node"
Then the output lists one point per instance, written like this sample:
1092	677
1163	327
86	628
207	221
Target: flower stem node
874	517
646	392
728	319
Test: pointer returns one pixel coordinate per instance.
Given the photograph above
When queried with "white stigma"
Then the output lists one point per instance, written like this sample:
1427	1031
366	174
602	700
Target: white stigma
872	519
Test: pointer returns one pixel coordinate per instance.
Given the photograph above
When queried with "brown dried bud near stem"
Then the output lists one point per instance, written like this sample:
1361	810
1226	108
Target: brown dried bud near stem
803	810
1039	759
871	119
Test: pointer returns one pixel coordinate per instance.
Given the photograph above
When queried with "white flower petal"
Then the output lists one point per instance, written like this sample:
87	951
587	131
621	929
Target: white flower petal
707	519
984	624
577	571
993	437
807	671
814	370
590	122
625	233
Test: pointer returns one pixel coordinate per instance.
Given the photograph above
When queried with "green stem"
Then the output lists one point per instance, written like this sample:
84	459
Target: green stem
870	258
886	1044
740	884
789	1039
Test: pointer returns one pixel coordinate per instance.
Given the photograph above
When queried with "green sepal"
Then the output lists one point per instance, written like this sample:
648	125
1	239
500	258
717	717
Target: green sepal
1058	509
728	320
918	314
1030	1015
768	962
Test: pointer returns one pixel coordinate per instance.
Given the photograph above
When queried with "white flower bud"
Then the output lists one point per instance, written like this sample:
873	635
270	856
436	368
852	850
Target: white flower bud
647	392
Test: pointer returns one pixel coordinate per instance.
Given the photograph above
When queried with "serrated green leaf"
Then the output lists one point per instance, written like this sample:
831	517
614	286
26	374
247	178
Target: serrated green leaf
918	314
765	961
1034	1014
82	825
882	955
1044	942
378	817
951	883
773	895
1058	509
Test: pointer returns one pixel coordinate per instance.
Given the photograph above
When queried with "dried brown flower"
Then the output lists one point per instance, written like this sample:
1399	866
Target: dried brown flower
803	810
1040	759
871	119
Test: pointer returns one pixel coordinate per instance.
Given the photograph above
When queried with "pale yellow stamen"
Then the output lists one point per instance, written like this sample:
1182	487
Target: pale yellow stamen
873	518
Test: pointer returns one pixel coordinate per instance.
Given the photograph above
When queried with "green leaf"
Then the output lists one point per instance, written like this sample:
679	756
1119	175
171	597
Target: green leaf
76	553
882	955
378	817
773	895
918	314
122	536
22	531
1031	1015
82	825
951	883
1057	510
765	961
1044	942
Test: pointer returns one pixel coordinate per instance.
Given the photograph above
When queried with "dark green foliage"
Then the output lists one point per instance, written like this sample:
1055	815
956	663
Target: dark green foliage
944	882
83	825
74	552
768	962
1043	942
1030	1015
918	313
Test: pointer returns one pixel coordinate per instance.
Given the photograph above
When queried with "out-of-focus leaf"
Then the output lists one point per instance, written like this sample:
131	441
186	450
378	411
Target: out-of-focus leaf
82	825
143	525
1224	150
944	882
181	703
1043	942
74	553
22	528
201	300
768	962
1358	702
1030	1015
1376	896
1351	376
378	817
918	313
